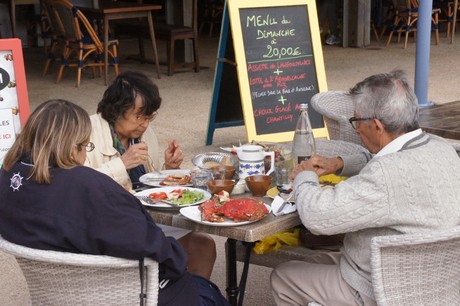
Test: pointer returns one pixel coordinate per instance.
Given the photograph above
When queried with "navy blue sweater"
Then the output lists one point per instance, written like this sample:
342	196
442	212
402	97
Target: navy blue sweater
84	211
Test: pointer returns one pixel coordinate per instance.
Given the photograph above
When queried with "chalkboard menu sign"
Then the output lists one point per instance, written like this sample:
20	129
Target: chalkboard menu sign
279	63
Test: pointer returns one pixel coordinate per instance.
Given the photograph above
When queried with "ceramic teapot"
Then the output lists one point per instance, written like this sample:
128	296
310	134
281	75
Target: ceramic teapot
251	159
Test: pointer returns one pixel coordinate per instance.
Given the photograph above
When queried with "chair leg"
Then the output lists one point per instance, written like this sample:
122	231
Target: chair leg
171	57
115	59
60	73
64	62
211	27
390	36
382	32
436	26
376	34
94	71
80	65
196	54
12	6
395	26
49	59
406	39
449	19
141	49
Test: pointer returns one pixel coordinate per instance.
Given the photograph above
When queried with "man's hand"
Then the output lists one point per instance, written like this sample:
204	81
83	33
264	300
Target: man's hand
136	155
173	155
320	165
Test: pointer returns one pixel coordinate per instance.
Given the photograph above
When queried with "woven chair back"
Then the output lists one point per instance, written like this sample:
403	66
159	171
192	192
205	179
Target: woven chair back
417	269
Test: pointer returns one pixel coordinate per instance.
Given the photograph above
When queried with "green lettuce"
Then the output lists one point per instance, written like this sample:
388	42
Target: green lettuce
189	197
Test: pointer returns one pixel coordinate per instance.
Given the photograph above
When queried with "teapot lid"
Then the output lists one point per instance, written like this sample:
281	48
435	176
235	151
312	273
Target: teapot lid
251	148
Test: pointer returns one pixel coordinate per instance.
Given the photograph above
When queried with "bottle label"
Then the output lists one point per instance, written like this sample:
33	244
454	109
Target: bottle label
302	158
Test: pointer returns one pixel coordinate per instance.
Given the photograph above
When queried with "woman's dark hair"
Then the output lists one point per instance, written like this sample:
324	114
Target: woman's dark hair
120	95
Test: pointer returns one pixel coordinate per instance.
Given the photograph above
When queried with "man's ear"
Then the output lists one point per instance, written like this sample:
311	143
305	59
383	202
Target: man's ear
379	127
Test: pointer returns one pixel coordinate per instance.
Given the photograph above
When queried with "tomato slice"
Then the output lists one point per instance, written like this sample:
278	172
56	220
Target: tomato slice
158	195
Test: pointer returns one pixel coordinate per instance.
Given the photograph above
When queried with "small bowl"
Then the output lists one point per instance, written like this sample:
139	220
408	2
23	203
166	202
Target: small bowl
229	171
258	184
216	186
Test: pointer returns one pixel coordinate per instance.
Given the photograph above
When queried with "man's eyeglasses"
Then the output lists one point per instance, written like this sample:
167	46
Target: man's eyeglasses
354	121
88	147
140	119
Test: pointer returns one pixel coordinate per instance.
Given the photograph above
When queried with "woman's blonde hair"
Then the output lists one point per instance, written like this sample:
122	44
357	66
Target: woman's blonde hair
50	136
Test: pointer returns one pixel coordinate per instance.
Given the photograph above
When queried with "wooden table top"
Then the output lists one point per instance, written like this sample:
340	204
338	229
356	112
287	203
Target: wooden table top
442	120
249	233
112	7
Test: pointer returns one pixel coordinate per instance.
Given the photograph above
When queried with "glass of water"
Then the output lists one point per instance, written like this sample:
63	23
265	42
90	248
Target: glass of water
200	178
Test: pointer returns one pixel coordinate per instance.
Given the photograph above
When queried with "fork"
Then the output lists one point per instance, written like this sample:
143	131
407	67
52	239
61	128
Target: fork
148	199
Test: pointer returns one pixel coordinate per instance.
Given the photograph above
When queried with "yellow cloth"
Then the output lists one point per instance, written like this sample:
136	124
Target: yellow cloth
331	178
273	242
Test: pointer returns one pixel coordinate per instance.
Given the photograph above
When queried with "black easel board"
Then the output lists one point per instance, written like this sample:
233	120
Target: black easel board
226	108
279	64
261	80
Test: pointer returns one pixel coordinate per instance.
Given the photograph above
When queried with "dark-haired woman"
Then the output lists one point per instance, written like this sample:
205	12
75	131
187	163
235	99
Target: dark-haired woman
126	148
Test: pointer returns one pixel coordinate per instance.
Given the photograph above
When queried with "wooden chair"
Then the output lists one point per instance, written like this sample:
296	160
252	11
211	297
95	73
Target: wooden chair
51	24
172	33
61	278
169	33
405	20
213	10
81	40
417	269
12	11
449	12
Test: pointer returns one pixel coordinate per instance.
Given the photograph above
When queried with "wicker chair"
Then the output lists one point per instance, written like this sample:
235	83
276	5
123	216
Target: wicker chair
82	40
336	108
405	20
59	278
417	269
333	148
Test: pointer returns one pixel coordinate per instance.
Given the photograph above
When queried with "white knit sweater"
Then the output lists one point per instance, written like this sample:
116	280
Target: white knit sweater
413	190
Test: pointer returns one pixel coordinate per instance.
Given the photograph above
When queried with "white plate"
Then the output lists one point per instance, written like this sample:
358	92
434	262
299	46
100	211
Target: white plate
154	179
193	213
164	205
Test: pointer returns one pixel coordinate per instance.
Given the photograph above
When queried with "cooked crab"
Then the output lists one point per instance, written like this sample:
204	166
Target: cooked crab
243	209
209	211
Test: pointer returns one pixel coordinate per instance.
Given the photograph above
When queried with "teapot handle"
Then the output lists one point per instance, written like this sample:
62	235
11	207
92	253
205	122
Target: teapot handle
272	162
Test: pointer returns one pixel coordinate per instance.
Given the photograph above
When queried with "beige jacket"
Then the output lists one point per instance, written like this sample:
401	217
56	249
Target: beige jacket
106	159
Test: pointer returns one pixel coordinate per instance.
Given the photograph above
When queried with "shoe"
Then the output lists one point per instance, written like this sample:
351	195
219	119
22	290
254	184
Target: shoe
332	40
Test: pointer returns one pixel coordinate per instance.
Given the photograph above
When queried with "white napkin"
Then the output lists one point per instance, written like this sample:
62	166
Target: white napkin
288	208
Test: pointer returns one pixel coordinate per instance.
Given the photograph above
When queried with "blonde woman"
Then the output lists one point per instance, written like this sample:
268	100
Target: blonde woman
49	201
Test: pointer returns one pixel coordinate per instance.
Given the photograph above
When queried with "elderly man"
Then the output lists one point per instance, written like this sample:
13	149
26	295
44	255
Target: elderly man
411	184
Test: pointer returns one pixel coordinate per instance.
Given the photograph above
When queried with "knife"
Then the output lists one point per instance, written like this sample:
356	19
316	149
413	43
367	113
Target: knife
286	201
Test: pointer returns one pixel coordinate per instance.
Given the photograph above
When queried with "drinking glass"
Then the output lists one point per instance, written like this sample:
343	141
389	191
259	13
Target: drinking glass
200	178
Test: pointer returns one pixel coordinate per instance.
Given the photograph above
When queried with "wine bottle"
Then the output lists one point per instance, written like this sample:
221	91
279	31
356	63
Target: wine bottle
303	144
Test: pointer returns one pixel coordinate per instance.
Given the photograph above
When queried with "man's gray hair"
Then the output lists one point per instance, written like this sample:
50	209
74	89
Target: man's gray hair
389	98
